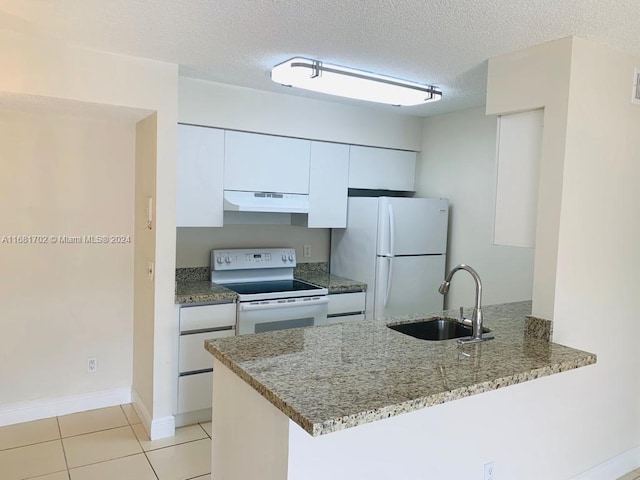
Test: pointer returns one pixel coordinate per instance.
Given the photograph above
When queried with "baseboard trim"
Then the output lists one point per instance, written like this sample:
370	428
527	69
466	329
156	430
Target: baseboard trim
28	411
156	428
614	467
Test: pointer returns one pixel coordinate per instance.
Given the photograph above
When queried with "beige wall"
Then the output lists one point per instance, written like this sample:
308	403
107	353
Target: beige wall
65	302
195	244
458	162
577	420
34	67
143	329
598	254
526	80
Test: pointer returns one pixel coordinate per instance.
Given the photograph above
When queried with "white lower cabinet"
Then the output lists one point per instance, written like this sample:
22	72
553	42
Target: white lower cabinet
194	391
346	307
195	364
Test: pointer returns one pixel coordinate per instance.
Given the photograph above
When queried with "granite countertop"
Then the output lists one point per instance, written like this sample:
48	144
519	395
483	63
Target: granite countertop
203	291
317	274
339	376
193	285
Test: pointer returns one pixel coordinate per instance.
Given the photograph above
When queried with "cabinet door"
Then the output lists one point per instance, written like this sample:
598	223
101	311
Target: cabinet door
200	167
265	163
381	168
328	185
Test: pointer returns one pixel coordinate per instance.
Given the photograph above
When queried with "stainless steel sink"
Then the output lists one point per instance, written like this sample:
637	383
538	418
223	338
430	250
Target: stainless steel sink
435	329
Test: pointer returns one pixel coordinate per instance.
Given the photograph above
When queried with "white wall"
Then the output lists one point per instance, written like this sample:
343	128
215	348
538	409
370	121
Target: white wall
238	108
49	71
71	176
457	162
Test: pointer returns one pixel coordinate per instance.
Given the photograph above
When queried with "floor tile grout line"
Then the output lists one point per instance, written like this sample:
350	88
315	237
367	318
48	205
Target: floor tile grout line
105	461
31	444
64	451
46	475
177	444
96	431
204	430
151	465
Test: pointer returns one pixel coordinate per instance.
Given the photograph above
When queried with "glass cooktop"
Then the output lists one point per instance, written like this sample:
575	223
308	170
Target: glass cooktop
271	286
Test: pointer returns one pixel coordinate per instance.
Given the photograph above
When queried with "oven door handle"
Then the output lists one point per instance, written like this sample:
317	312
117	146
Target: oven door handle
267	306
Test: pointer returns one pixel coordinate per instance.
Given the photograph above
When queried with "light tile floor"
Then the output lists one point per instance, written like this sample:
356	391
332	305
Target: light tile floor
108	444
635	475
105	444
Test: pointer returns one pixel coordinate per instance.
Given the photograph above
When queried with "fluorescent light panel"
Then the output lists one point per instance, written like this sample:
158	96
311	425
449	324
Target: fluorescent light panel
351	83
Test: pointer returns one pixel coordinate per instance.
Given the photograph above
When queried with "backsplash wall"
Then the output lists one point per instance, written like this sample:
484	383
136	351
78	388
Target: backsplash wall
193	245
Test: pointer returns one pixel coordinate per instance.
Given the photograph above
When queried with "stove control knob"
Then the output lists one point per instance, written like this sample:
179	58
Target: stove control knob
284	258
219	260
227	259
290	258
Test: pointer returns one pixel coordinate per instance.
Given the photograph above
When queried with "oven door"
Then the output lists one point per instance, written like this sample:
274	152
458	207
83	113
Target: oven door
269	315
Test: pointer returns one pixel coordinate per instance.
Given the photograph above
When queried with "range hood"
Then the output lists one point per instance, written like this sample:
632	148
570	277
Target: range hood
270	202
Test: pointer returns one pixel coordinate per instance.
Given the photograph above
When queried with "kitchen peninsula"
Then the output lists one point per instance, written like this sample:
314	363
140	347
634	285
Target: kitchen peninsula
274	392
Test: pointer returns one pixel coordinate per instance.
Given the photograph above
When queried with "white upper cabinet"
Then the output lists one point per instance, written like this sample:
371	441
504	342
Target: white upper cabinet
518	169
200	166
266	163
381	169
328	185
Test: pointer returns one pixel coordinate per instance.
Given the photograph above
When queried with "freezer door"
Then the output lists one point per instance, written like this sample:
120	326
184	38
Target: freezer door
412	226
408	285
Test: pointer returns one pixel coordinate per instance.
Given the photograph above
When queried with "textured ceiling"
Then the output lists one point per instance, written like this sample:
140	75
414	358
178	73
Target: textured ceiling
442	42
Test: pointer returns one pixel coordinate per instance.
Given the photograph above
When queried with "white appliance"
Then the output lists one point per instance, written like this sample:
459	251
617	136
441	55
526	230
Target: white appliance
398	247
266	202
269	298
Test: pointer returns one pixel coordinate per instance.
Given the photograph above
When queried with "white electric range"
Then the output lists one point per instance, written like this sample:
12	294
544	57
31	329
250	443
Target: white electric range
269	298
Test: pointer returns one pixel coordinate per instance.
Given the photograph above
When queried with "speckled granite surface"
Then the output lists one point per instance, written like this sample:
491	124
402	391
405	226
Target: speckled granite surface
338	376
538	328
193	285
203	291
193	274
317	274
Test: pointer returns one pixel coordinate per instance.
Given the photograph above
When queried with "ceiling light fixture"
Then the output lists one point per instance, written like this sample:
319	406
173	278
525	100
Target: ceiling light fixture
351	83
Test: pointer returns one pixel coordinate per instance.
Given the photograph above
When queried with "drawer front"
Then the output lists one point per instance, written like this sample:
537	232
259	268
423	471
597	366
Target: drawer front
195	392
345	318
347	302
192	354
207	316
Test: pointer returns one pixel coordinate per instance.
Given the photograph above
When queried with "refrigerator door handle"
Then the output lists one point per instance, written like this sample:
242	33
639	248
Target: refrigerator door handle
392	231
389	277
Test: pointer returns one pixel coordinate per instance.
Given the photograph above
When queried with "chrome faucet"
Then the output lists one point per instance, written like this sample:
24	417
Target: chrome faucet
476	316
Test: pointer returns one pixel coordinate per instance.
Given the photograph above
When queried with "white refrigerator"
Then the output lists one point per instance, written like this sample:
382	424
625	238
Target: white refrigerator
398	247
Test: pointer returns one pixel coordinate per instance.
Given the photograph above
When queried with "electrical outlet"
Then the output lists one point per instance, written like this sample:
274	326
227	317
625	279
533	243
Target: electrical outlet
306	251
92	365
490	471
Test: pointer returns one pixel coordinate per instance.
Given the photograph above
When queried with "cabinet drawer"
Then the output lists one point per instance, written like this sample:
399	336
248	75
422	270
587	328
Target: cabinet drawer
345	318
192	354
195	392
207	316
346	303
